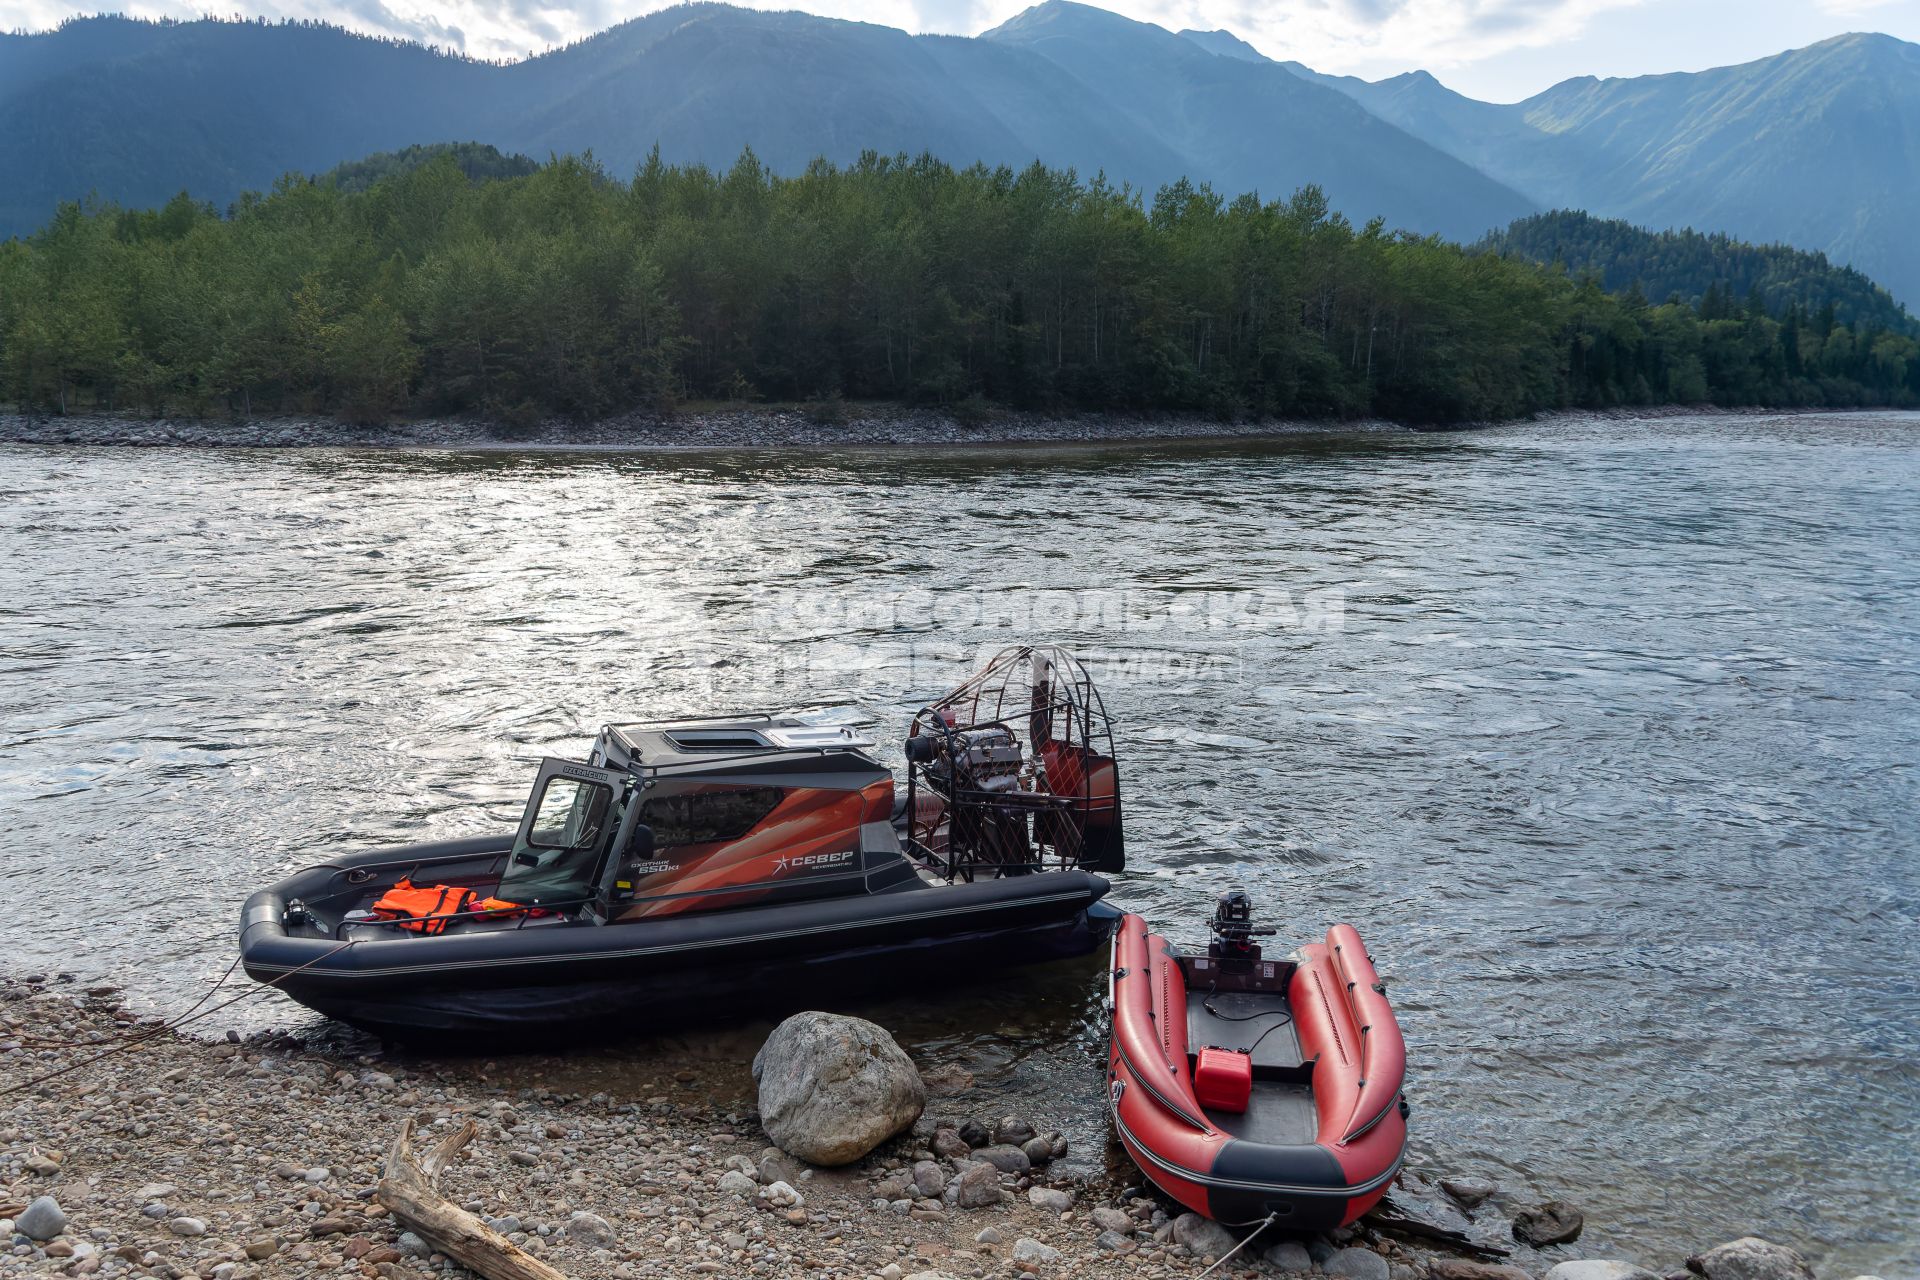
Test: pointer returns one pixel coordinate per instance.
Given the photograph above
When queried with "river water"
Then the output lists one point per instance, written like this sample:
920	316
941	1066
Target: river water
1604	734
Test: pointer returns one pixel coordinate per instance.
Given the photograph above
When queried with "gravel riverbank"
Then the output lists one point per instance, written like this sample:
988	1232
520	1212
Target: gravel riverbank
255	1159
742	427
746	427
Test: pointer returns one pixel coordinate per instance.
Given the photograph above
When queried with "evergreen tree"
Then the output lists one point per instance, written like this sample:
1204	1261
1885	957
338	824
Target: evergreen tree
444	287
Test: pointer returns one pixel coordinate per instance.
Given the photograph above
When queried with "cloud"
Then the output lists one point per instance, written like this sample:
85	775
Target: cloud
376	15
1382	37
1368	37
957	17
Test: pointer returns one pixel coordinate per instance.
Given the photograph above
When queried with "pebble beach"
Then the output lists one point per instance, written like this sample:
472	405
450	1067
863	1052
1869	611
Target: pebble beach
129	1149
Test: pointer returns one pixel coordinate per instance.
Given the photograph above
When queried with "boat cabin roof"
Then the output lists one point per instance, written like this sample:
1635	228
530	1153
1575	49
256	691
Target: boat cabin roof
782	750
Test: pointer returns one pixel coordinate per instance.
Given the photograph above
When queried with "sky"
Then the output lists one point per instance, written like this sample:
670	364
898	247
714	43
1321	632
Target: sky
1501	50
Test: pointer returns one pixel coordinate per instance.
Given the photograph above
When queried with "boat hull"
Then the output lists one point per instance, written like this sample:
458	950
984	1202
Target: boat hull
621	980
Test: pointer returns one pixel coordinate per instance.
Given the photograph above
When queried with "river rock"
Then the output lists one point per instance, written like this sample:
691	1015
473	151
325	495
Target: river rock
782	1196
1554	1222
1038	1151
42	1220
590	1229
1469	1192
1027	1250
977	1187
1050	1199
1107	1218
1356	1264
1203	1236
1005	1159
1290	1256
777	1166
929	1179
947	1081
832	1088
187	1227
1114	1242
1011	1131
1750	1258
948	1145
1468	1269
1600	1269
975	1134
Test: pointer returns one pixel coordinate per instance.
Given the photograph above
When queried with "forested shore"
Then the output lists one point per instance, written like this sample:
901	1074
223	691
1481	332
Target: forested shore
569	293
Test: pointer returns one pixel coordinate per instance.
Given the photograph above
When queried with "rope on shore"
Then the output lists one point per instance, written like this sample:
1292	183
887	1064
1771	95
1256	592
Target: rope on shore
136	1033
1251	1237
136	1039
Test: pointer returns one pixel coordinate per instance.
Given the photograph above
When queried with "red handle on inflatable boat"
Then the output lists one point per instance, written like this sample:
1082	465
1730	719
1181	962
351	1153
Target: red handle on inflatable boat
1383	1054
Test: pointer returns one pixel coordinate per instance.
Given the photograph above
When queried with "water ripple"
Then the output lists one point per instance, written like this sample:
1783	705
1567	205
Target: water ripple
1611	757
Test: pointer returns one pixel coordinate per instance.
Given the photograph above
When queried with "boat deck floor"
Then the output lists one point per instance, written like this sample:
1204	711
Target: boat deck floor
1280	1111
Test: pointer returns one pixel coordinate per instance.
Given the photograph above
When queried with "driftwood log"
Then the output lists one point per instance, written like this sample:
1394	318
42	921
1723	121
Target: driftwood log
1389	1216
406	1189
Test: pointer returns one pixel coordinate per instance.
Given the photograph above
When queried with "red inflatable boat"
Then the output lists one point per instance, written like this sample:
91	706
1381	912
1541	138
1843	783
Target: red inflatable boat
1250	1088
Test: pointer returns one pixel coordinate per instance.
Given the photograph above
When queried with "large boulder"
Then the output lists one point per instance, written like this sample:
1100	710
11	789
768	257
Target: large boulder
1750	1258
833	1088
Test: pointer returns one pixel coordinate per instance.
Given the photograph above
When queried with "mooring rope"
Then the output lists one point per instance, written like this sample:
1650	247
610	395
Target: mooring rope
135	1039
1251	1237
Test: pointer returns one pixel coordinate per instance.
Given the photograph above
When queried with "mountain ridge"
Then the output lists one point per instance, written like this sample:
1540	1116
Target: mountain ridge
1755	149
136	111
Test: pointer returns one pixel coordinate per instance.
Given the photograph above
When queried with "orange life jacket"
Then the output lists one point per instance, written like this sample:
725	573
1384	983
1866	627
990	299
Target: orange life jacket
415	905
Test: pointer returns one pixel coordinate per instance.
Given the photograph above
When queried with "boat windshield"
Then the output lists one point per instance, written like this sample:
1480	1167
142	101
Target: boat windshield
555	861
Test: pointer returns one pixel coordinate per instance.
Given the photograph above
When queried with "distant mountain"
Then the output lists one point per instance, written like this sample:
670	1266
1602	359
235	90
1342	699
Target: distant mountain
138	111
1246	125
1226	44
1817	147
1690	266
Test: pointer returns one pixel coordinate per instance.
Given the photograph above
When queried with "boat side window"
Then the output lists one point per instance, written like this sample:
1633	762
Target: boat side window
556	861
571	815
708	817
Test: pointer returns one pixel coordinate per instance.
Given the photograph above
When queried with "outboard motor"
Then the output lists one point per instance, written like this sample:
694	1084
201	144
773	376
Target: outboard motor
1233	929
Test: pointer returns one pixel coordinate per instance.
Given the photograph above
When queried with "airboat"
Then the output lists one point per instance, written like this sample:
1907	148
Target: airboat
704	868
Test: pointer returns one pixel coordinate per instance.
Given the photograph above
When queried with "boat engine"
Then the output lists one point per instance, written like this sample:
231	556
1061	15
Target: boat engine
1234	930
1014	771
